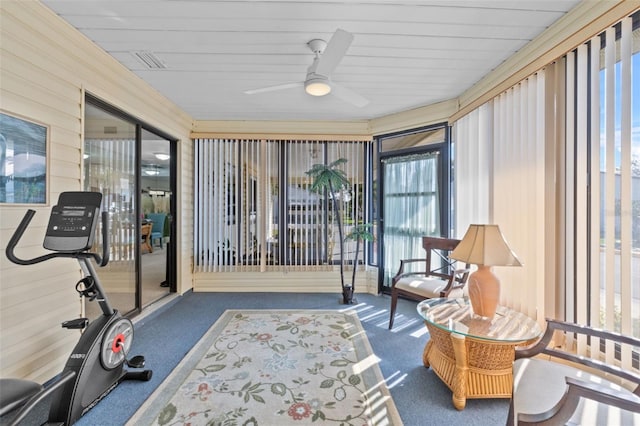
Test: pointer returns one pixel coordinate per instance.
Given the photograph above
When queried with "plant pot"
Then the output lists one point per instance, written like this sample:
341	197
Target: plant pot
347	296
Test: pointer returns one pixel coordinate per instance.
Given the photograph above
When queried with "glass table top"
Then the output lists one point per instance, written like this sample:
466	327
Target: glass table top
456	315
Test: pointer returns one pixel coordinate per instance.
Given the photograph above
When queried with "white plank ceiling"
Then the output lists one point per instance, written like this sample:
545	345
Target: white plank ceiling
405	54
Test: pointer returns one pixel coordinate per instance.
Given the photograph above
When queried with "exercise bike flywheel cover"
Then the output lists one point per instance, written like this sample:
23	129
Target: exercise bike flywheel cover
116	343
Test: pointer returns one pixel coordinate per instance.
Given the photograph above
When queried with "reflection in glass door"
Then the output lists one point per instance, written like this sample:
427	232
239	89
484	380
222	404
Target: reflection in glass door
110	168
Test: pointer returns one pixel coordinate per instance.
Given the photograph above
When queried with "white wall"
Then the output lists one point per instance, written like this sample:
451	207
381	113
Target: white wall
46	66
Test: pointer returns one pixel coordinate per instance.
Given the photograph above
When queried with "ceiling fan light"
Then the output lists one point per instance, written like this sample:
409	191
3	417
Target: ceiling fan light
317	87
162	156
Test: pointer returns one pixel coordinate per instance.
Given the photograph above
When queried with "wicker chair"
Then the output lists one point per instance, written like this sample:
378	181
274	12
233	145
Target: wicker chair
437	276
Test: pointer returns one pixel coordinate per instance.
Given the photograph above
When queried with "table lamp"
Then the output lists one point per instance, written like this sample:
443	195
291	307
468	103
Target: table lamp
484	246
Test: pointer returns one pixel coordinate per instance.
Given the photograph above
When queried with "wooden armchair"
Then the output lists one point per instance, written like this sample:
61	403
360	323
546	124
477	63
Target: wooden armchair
436	276
145	233
566	388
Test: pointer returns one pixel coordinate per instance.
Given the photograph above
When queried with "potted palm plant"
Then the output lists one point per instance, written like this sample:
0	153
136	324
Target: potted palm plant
330	178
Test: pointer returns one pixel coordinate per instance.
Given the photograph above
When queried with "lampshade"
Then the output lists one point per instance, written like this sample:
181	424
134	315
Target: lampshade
485	245
317	86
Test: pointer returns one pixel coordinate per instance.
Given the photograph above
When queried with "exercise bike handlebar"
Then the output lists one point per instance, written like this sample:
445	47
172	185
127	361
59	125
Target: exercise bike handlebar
15	238
105	240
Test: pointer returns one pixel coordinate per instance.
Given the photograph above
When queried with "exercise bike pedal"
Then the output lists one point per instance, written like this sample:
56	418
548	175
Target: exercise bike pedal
136	362
144	375
76	324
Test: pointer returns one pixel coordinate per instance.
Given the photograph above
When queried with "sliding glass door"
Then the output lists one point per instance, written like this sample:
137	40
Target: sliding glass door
110	168
414	196
133	167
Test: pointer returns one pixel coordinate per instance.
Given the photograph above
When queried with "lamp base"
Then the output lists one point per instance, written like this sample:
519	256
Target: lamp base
484	291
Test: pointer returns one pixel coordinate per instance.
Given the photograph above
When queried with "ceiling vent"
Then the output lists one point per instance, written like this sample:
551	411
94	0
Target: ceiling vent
110	130
150	60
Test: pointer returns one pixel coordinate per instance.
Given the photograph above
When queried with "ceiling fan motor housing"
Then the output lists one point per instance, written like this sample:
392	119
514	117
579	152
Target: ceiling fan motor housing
317	46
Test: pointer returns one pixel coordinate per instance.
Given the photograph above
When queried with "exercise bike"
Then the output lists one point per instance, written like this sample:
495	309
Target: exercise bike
97	363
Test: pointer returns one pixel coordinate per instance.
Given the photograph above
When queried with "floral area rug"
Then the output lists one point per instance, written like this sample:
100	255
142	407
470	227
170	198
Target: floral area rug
272	368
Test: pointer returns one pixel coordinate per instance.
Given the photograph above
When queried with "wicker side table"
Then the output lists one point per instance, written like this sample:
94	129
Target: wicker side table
473	356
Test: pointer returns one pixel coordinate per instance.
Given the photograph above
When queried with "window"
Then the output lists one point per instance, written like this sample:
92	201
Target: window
603	187
556	158
616	179
255	210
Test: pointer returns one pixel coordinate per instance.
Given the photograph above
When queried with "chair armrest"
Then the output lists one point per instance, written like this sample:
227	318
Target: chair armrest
537	347
462	275
577	389
404	262
541	346
458	279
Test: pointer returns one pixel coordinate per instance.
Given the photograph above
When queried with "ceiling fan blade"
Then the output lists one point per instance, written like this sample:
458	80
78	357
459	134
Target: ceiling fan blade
334	52
274	88
348	95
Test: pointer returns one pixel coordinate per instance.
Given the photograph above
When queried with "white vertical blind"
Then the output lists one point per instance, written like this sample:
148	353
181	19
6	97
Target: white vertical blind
598	183
594	170
570	207
473	137
303	213
215	208
610	183
254	210
601	227
626	208
519	164
114	176
500	164
581	152
618	244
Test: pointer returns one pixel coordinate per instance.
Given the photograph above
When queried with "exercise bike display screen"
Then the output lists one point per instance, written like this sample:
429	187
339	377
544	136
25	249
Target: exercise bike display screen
73	222
67	213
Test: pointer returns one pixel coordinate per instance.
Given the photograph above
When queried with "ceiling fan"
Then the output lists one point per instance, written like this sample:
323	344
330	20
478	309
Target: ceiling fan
318	81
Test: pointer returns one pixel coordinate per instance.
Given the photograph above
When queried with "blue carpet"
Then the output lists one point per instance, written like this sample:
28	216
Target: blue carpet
165	336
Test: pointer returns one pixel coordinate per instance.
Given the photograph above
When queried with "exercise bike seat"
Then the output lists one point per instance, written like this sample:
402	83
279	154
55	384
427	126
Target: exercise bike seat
16	392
